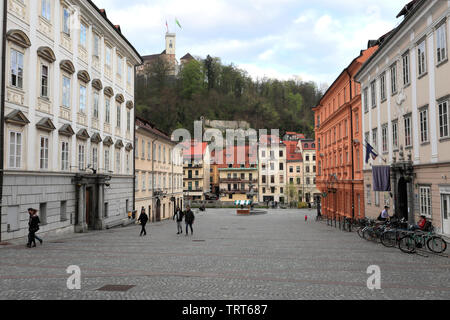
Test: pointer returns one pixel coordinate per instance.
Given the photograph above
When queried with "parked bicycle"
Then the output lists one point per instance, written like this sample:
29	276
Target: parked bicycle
419	239
393	232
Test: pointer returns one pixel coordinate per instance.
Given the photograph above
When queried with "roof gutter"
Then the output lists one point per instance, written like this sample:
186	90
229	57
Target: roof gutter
2	103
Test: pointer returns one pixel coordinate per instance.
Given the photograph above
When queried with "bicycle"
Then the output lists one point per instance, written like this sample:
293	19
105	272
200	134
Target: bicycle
373	233
393	232
418	239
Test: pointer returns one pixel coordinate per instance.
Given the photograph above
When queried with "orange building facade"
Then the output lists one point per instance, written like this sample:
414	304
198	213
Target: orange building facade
339	146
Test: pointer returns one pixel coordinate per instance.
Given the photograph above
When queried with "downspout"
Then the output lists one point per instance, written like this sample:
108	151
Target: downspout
153	176
134	142
352	146
2	102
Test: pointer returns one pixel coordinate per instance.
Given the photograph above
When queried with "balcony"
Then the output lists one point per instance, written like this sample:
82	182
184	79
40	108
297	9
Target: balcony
237	180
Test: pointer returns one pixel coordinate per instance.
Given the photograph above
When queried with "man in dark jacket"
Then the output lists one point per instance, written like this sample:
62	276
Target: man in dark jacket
189	219
143	218
179	216
33	227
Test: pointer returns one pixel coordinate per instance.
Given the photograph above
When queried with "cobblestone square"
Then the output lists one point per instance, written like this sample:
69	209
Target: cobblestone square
271	256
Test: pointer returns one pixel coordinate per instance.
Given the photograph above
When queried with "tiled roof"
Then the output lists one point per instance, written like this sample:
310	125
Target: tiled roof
150	127
292	152
194	149
249	156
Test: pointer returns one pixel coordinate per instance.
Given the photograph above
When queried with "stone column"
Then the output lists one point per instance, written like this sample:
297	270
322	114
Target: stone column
100	196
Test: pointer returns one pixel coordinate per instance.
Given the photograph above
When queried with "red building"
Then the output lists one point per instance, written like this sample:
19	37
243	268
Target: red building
339	147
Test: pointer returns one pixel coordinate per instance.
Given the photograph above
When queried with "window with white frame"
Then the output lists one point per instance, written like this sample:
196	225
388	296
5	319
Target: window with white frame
423	117
43	155
16	69
421	56
82	99
64	156
118	115
374	138
130	75
66	92
44	81
425	200
443	119
395	135
81	157
405	59
407	122
95	108
83	35
143	149
148	151
366	100
373	94
94	158
108	56
119	65
377	198
66	21
106	158
107	110
46	9
383	86
384	137
118	161
441	43
15	150
96	45
394	78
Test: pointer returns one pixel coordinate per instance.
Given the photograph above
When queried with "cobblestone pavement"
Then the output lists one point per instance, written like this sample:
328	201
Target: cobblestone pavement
272	256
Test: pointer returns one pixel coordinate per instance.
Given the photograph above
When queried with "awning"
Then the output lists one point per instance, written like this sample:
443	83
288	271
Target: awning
243	202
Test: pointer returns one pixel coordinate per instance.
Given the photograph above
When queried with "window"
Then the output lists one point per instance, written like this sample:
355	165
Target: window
394	78
443	119
45	10
118	163
377	198
83	35
15	149
43	213
16	69
118	116
64	156
405	69
44	81
421	56
365	100
66	21
81	157
374	138
148	150
95	109
128	165
106	160
384	137
407	131
143	149
128	120
383	86
423	125
441	40
96	45
94	158
395	135
130	74
63	211
43	159
281	166
356	123
66	92
82	99
107	111
108	56
119	65
425	201
373	94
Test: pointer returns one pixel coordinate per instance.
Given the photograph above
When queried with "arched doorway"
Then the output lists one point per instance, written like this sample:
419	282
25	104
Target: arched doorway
158	210
402	199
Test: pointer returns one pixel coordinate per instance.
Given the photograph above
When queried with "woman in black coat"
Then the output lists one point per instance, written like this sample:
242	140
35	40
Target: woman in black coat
33	227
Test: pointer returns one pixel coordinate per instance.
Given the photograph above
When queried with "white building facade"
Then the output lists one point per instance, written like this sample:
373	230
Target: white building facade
406	96
68	118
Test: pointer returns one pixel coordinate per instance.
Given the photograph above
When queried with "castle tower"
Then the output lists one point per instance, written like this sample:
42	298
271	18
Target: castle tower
170	43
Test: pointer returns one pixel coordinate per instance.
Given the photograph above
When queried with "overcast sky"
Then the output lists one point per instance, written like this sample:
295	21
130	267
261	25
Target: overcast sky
312	39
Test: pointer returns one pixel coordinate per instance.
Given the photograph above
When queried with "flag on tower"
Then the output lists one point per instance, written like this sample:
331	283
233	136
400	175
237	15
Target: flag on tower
178	23
167	26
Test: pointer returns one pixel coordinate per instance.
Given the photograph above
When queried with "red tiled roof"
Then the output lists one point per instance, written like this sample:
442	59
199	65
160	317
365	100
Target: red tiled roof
194	149
292	152
250	156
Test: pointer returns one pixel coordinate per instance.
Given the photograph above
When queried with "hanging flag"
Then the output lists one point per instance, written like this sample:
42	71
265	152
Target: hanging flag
370	152
167	26
178	23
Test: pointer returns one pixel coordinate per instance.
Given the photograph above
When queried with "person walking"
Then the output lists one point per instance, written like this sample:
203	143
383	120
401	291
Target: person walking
33	227
179	216
143	218
189	219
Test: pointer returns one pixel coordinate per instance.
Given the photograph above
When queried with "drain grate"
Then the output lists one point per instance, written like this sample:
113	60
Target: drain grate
116	287
57	242
198	240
